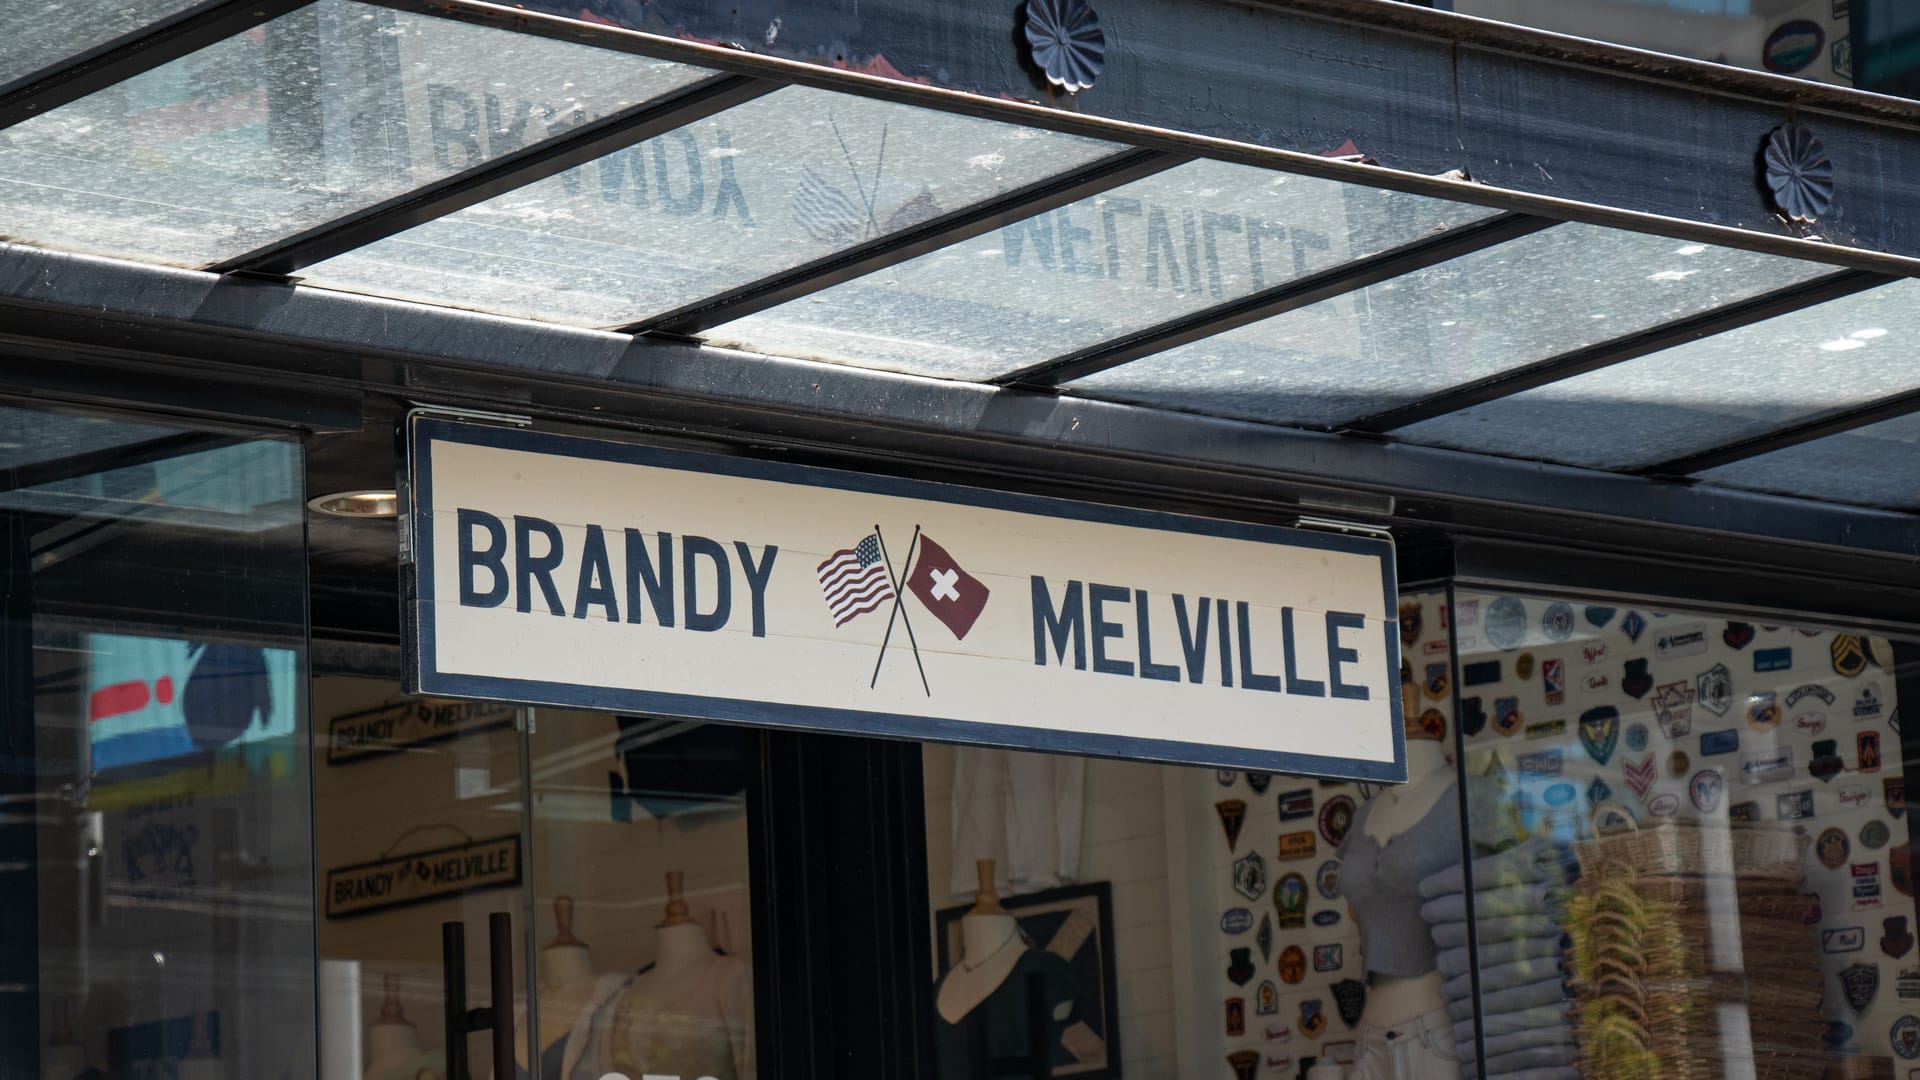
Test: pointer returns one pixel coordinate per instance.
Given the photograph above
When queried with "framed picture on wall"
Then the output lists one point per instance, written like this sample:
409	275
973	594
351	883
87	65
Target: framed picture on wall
1074	924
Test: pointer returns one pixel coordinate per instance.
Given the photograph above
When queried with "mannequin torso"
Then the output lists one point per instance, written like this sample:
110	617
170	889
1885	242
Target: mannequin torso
570	989
690	1012
1395	1000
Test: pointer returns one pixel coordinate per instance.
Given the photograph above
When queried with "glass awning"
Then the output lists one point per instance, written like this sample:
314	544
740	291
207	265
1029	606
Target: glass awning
468	156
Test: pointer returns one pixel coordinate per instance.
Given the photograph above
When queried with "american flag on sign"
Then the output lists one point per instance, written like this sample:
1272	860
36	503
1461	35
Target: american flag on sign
855	580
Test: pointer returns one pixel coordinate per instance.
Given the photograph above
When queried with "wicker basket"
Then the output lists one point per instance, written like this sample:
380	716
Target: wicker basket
1687	849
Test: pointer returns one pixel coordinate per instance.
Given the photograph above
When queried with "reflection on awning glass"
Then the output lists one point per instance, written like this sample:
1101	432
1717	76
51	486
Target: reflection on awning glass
1528	299
316	114
1169	245
757	189
1706	393
1878	465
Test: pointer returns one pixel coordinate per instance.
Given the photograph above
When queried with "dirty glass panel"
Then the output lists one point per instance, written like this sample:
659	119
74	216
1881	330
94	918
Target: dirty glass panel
1197	235
1525	300
1705	393
41	35
1878	465
762	187
315	114
1691	856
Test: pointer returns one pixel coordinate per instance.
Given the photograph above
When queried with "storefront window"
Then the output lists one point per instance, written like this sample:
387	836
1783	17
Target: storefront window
1691	847
156	864
625	879
1684	854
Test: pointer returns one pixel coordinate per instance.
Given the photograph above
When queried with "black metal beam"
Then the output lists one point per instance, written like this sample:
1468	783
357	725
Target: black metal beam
193	326
1837	422
1277	300
134	54
1619	350
501	174
895	248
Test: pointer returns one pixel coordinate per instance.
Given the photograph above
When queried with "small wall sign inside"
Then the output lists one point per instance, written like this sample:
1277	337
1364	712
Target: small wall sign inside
368	733
399	880
586	574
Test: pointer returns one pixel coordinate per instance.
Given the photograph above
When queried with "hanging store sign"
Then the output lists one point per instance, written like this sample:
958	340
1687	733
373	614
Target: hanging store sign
555	570
393	881
368	733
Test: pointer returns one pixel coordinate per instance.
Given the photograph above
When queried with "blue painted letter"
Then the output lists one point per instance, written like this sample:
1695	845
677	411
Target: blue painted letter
1048	625
493	559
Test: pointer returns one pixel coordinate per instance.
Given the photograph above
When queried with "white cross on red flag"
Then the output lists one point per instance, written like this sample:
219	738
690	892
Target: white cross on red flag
954	596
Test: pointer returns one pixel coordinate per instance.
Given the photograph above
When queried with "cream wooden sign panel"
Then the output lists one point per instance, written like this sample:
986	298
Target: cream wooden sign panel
555	570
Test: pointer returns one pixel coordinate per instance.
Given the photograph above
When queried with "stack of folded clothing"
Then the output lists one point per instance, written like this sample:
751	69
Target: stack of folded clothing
1524	1002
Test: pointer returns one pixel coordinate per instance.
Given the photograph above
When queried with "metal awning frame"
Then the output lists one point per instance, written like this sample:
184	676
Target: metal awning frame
325	346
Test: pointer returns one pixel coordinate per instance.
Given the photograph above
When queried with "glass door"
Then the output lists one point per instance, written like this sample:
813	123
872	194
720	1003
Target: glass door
420	843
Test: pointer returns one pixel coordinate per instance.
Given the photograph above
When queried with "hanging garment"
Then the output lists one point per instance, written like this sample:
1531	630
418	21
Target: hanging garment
1024	811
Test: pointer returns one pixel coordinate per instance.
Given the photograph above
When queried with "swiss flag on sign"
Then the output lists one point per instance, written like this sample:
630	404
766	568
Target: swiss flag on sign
954	596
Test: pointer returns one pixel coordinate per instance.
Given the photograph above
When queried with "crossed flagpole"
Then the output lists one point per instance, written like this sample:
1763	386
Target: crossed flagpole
899	610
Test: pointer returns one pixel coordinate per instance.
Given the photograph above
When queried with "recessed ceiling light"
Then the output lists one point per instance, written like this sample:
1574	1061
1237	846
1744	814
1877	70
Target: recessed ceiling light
358	504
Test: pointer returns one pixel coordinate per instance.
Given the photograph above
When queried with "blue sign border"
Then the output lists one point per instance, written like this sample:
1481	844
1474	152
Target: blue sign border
418	612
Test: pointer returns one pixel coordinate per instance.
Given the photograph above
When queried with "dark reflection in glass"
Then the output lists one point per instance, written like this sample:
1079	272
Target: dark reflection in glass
155	820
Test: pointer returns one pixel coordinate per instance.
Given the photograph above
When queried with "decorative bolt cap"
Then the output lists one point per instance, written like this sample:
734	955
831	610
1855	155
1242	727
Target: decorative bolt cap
1064	38
1798	174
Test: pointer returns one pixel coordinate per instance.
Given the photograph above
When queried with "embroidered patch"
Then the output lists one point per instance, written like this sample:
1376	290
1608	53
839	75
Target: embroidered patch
1350	997
1767	766
1297	845
1326	880
1599	731
1336	817
1557	621
1705	789
1240	966
1506	623
1233	814
1860	983
1507	717
1832	848
1639	775
1290	902
1250	875
1713	690
1292	965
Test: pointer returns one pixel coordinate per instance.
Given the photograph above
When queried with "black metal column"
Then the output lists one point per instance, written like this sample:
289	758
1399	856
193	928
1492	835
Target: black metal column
843	970
19	862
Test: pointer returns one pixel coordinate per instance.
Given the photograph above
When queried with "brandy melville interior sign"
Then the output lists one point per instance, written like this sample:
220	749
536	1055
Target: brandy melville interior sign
396	726
398	880
571	572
